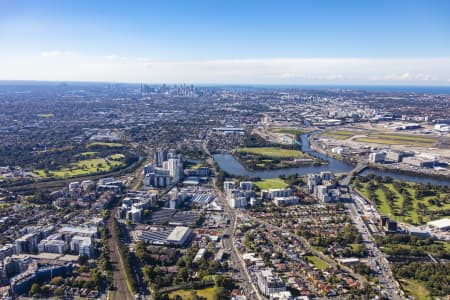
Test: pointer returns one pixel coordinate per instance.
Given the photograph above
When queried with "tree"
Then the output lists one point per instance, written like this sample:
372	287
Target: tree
59	292
220	293
42	197
213	266
148	274
96	278
181	262
225	282
45	290
83	269
58	280
183	275
83	260
35	289
159	296
141	252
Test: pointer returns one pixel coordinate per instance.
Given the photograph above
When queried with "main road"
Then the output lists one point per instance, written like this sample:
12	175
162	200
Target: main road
388	285
243	276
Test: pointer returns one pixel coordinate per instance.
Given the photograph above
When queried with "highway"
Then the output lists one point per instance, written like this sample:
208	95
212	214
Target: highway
387	283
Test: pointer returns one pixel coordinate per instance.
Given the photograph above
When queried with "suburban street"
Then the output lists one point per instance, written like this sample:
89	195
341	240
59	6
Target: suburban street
242	275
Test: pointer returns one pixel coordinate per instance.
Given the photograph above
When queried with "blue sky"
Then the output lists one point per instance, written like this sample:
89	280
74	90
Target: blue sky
227	41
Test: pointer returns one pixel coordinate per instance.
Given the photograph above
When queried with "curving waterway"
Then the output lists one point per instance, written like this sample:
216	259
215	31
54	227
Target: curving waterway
228	163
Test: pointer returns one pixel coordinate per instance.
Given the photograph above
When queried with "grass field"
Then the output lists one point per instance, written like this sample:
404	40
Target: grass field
320	248
383	205
274	152
339	134
384	138
292	131
207	293
272	183
412	216
5	205
88	153
83	167
197	166
104	144
317	262
415	289
399	139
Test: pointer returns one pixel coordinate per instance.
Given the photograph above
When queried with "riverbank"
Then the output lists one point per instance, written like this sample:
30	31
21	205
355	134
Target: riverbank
420	177
385	168
229	164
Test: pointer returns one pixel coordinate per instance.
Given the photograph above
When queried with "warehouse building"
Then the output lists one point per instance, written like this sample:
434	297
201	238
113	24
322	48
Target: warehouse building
177	236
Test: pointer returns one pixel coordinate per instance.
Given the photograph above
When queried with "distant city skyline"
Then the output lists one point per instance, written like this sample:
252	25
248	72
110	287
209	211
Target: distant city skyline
227	42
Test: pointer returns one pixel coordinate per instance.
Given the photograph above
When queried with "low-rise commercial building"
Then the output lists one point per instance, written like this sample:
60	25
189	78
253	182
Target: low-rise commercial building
273	193
284	201
420	161
377	157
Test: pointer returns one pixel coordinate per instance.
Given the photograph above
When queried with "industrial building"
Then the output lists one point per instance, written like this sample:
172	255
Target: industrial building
177	236
397	156
420	161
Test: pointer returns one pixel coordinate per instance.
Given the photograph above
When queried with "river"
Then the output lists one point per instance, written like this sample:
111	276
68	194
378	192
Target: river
228	163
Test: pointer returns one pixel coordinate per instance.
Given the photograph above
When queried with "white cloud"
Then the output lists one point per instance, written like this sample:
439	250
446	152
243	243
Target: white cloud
113	67
411	76
53	53
115	57
50	53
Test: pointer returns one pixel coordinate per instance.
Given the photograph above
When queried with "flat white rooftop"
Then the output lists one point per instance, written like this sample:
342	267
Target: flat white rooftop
441	224
79	230
178	233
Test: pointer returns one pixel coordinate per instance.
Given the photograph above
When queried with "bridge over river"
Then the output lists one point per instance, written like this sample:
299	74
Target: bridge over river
361	166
